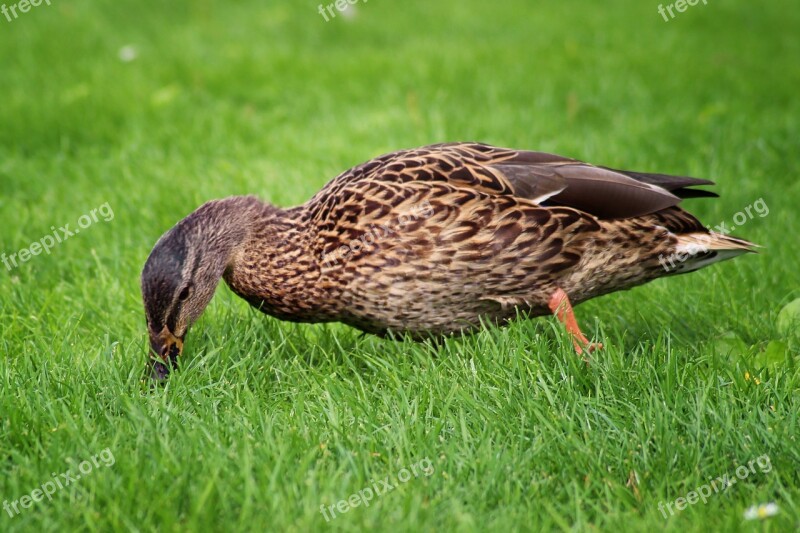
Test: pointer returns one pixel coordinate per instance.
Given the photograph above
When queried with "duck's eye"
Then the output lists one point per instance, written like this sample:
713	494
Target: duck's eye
185	292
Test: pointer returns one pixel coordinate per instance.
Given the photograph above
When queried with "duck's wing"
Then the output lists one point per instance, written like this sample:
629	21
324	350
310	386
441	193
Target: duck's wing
543	178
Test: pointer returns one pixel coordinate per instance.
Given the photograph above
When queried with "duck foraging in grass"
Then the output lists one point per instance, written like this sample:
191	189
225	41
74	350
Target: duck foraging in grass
431	242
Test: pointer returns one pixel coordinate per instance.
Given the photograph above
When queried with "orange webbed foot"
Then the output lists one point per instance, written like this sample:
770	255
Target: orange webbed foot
562	309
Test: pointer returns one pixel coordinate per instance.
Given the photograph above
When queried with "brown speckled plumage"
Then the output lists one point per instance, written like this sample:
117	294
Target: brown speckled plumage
432	241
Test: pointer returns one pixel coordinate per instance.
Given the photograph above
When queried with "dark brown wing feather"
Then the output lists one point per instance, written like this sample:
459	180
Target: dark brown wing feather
677	185
595	190
608	194
665	181
534	182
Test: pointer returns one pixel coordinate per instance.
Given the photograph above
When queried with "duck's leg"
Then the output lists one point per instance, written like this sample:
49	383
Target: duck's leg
562	309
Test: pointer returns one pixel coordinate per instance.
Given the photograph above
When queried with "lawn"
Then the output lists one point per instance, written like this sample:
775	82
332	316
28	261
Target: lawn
118	118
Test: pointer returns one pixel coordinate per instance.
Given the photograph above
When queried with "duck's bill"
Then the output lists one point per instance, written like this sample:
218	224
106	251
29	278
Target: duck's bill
158	371
166	348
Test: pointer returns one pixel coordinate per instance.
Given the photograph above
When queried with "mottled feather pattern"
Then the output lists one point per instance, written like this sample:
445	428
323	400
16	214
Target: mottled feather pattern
496	236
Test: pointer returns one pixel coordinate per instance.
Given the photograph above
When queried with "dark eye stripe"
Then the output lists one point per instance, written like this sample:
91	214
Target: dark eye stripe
172	317
175	311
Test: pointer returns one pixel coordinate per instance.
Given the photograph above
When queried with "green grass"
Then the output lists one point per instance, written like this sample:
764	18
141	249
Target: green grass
267	421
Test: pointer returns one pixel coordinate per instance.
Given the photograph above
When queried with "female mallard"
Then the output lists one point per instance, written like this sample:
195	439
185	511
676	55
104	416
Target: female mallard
432	241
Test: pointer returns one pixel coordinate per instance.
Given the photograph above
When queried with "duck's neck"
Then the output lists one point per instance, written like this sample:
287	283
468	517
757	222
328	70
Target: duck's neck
275	269
223	227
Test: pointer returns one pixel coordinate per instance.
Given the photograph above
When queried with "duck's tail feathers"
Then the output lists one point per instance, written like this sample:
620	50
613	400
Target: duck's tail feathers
697	250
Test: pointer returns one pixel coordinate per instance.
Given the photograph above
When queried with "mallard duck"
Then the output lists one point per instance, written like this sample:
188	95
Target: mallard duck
432	241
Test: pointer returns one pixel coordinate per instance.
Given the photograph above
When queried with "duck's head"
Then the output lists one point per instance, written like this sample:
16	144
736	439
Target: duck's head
181	275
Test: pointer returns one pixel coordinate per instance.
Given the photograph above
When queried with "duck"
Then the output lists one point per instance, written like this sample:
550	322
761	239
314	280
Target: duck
432	242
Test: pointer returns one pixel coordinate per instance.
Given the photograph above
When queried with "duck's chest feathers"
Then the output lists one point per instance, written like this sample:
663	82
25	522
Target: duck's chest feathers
276	273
